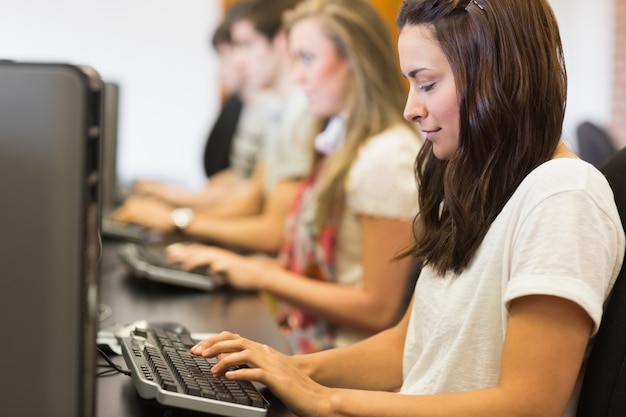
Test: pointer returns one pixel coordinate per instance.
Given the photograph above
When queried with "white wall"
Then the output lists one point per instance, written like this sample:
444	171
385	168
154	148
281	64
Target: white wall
587	32
158	51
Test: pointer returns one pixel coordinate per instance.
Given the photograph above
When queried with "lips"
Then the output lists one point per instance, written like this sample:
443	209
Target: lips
430	133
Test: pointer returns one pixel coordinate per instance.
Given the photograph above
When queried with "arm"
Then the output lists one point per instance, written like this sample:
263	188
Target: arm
263	232
542	355
218	186
341	367
156	214
351	366
245	223
242	198
372	307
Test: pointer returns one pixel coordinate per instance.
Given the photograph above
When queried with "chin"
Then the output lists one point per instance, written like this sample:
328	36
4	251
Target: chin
321	112
441	154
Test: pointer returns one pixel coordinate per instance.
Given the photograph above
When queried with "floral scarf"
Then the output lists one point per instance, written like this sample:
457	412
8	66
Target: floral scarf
310	254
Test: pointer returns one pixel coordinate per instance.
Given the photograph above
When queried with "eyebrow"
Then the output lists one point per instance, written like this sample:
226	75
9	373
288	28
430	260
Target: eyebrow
416	71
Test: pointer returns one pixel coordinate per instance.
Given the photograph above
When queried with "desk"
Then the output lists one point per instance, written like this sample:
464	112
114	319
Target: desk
133	299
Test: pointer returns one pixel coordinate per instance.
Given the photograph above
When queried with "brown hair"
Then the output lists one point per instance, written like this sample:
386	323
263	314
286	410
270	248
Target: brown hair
507	61
221	35
265	15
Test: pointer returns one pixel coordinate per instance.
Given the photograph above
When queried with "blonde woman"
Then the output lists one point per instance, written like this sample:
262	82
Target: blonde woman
336	278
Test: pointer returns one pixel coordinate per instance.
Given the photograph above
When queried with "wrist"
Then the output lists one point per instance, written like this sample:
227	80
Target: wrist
304	363
261	281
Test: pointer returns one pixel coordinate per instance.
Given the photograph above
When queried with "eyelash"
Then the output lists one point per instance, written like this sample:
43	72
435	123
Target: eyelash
426	88
306	58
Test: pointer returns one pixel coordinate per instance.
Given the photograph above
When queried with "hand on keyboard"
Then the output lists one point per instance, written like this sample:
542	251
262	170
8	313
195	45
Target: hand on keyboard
279	372
163	368
242	272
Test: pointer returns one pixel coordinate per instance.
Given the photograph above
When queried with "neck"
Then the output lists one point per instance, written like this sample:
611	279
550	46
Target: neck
562	151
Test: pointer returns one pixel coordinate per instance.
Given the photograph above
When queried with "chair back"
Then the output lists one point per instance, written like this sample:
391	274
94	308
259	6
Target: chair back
603	392
594	144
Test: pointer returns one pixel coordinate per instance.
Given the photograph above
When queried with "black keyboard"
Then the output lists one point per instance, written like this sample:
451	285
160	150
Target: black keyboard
155	254
149	261
162	368
124	231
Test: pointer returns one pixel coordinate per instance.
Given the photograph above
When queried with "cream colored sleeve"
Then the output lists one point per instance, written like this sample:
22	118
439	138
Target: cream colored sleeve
381	182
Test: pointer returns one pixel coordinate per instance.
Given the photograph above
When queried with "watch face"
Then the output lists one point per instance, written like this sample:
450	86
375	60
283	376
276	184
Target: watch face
181	217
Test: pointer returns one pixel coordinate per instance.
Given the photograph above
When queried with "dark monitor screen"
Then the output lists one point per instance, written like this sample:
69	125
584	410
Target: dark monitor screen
49	215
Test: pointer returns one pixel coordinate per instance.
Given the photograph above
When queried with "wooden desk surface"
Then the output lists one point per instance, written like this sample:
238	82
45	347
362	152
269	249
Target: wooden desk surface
131	299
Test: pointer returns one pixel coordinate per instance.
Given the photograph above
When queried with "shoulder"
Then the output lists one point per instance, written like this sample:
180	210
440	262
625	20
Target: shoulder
566	175
564	210
296	99
399	142
381	181
395	146
399	136
568	197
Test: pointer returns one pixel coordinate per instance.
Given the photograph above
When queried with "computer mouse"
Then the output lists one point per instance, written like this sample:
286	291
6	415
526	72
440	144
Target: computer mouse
170	326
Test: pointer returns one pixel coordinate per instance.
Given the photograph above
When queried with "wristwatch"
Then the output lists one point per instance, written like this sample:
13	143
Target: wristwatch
181	217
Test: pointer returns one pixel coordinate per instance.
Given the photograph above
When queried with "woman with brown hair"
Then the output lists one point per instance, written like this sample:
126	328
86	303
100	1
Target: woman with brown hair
521	240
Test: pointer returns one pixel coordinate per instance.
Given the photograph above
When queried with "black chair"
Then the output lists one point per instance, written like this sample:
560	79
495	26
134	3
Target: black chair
603	392
219	143
594	144
414	271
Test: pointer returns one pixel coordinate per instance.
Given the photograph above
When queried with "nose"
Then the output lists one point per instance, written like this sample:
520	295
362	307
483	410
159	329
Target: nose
414	110
238	57
297	72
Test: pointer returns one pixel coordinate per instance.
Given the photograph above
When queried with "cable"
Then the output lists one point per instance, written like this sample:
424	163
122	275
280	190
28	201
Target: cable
114	367
107	372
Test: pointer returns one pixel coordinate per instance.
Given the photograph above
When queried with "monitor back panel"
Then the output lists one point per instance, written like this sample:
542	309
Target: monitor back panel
49	217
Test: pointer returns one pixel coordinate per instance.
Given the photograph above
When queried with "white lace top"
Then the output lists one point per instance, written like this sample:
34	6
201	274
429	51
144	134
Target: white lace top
381	183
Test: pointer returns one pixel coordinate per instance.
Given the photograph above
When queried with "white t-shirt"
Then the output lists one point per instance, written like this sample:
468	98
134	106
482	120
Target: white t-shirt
248	138
276	131
559	234
287	151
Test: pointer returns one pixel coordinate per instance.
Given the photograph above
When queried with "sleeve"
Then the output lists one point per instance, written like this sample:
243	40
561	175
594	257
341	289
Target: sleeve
381	182
568	246
248	140
288	153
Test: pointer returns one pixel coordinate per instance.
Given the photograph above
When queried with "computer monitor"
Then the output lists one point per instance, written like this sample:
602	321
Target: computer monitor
113	193
110	115
49	247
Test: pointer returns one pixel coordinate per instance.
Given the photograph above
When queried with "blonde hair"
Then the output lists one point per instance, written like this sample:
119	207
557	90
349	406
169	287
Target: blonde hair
377	92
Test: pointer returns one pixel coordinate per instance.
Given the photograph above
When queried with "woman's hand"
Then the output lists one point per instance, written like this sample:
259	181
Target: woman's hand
153	189
277	371
242	272
147	212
